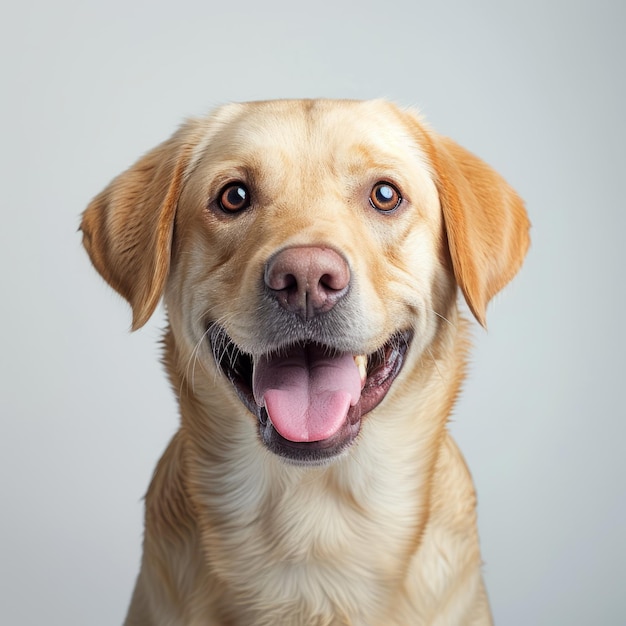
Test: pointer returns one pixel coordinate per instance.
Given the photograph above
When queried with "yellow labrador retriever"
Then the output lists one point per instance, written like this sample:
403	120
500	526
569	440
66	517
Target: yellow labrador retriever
309	254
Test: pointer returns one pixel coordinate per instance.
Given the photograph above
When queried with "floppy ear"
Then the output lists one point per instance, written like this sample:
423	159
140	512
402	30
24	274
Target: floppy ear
127	229
485	221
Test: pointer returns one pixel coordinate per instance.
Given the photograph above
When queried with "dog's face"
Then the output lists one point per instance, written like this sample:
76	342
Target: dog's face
310	255
307	250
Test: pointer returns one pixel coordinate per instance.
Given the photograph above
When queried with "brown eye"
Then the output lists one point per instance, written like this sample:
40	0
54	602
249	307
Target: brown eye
234	197
385	197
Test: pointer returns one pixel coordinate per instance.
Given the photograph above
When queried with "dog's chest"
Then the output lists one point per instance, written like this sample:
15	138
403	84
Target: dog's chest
308	548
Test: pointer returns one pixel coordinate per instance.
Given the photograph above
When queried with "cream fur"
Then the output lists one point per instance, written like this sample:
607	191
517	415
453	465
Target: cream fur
384	535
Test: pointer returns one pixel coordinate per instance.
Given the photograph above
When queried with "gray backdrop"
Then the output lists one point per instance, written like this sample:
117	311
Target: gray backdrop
536	88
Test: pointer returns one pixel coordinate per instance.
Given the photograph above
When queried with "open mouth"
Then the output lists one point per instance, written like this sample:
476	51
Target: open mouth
309	399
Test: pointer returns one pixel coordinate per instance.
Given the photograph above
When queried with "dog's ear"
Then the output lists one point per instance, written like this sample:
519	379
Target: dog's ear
485	221
127	229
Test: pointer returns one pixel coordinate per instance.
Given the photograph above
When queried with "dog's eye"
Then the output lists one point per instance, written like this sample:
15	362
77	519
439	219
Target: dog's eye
385	197
234	197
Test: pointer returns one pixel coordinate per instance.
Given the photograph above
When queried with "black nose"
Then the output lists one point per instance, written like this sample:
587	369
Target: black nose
307	280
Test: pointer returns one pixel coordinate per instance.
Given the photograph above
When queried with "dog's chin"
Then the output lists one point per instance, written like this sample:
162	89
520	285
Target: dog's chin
377	372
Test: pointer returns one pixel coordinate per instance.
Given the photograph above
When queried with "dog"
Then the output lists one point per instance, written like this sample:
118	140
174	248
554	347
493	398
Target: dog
310	255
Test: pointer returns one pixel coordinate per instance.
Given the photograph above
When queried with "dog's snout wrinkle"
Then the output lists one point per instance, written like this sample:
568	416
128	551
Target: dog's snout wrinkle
307	281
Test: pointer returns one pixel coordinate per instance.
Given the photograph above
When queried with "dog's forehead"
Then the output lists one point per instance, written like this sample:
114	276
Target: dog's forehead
316	119
309	130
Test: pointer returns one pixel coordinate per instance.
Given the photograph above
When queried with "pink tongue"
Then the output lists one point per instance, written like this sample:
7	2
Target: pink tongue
306	393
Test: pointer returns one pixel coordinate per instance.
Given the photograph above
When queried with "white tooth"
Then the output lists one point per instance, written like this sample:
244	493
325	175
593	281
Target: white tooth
361	363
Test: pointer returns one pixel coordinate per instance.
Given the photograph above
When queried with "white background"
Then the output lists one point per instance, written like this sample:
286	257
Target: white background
536	88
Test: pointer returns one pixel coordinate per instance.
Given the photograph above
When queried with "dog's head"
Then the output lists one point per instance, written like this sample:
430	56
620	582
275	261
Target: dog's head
305	249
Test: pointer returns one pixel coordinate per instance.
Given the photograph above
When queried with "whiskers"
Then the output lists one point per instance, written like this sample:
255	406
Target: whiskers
225	352
428	309
191	365
221	348
431	356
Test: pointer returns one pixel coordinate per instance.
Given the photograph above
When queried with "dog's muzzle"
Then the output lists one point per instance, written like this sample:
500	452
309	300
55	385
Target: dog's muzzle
308	393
